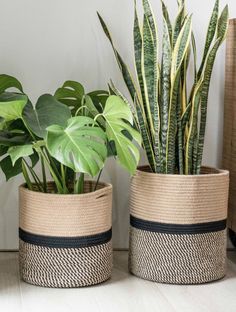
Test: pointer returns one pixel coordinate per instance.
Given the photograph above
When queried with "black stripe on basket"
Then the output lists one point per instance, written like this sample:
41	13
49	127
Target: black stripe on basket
167	228
65	242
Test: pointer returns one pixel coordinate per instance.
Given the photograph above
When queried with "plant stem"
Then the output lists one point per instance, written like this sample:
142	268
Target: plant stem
35	177
44	175
99	176
26	176
79	184
63	177
54	176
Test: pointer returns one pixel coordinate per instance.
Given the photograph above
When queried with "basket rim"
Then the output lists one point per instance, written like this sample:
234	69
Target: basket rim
106	187
218	173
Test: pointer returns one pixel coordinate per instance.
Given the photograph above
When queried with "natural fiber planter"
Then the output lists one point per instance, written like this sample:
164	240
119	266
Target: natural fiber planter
178	226
229	151
65	240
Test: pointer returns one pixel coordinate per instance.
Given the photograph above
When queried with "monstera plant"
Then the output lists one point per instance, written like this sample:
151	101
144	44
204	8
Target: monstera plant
71	133
169	108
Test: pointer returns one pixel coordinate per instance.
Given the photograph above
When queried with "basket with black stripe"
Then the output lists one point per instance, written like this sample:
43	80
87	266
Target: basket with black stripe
65	240
178	226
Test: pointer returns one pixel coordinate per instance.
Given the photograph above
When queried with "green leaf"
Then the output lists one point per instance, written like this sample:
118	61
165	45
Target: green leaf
165	88
17	152
179	53
12	105
99	99
129	81
181	46
138	43
7	82
71	94
210	34
166	17
8	169
150	77
80	145
48	111
8	138
178	24
117	114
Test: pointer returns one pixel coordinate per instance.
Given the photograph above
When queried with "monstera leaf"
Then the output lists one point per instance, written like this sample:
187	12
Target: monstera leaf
48	111
17	152
12	105
71	94
8	138
7	82
81	145
11	170
118	118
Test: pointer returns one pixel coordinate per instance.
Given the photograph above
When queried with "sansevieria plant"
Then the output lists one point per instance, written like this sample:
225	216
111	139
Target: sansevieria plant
169	111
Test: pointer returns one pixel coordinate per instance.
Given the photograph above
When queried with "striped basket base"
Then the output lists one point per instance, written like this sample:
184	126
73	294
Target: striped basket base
64	262
65	267
177	258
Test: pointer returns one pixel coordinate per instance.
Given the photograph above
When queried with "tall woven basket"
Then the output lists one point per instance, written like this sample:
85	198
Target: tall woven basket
65	240
229	154
178	226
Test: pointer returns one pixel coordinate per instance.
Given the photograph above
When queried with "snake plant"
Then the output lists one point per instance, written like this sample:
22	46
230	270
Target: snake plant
72	133
169	109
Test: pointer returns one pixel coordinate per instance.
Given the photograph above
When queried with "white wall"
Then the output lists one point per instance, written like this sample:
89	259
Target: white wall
46	42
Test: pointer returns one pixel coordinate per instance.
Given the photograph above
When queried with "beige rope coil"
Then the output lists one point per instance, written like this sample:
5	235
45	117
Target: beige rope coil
66	215
180	199
229	154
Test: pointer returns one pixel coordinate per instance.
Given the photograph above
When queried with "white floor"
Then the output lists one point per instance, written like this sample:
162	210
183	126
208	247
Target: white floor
122	293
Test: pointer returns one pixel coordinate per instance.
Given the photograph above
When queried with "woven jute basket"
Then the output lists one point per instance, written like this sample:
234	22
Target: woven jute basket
65	240
229	151
178	226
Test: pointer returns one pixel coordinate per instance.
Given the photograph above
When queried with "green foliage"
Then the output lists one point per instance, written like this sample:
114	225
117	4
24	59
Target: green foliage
71	133
48	111
169	112
81	145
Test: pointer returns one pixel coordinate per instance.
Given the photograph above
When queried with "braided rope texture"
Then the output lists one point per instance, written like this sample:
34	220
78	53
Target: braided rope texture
177	259
65	267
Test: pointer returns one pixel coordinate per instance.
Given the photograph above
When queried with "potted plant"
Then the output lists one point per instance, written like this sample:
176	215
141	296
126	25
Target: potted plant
178	208
65	220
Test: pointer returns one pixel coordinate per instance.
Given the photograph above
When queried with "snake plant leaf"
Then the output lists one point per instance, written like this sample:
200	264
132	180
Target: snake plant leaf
12	105
181	46
71	94
179	53
48	111
181	3
138	43
221	35
7	82
166	17
146	140
151	78
165	88
118	119
21	151
129	81
211	31
178	24
80	145
194	48
223	24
